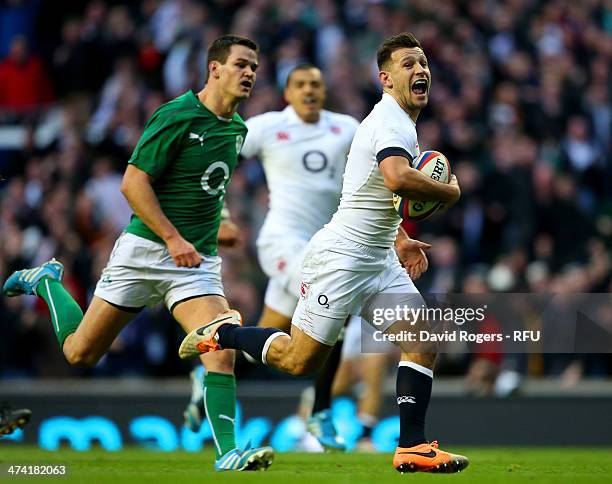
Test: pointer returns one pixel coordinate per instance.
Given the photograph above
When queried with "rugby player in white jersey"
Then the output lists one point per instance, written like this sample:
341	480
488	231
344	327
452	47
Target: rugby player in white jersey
303	151
351	263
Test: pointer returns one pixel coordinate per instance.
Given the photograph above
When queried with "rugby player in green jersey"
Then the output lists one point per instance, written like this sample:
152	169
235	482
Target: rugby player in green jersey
175	183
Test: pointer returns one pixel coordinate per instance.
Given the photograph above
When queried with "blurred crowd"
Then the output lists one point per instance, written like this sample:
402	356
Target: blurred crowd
520	104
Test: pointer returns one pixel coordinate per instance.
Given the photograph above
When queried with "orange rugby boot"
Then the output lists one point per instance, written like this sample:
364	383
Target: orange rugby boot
428	458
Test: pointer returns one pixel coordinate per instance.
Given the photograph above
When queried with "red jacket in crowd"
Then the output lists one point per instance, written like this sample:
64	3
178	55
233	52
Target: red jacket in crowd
24	86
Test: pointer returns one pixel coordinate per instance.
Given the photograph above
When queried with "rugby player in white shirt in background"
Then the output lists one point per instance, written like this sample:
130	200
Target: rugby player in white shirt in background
303	150
350	263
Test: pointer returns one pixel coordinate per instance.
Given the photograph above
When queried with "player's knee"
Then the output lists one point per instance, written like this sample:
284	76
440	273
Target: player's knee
298	369
81	357
420	347
303	367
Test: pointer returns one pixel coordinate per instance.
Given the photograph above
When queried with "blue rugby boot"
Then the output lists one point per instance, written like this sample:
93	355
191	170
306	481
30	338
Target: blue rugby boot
245	460
321	426
26	280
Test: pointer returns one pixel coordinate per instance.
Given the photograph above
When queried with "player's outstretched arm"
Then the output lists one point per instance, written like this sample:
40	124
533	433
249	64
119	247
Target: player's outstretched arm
407	182
137	189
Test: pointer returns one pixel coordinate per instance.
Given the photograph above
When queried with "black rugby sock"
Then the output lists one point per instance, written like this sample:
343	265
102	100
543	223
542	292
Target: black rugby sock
413	391
251	339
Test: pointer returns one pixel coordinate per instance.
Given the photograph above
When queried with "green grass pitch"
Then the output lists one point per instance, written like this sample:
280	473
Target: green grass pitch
488	465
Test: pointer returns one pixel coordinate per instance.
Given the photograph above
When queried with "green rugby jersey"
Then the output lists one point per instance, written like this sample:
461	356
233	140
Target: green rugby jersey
191	154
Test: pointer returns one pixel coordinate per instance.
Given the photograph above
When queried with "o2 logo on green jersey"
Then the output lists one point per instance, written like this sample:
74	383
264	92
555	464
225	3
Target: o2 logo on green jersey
204	181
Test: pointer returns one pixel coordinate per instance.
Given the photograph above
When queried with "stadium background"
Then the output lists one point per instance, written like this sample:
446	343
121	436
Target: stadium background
520	104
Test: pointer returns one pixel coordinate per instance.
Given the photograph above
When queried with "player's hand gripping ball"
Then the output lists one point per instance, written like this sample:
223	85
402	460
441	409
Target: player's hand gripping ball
435	165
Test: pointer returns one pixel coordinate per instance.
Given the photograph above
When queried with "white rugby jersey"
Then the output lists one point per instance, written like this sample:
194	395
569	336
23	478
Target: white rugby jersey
366	214
303	163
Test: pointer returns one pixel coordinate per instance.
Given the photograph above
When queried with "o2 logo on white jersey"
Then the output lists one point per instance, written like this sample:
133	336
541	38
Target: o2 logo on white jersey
323	300
314	161
213	191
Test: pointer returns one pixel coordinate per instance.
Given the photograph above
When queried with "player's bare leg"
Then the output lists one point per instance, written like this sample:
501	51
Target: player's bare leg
98	329
219	394
298	354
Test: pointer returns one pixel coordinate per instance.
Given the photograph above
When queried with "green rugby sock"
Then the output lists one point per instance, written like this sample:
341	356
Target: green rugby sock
220	405
65	312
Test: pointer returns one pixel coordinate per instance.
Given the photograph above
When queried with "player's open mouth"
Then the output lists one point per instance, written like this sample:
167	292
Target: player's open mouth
310	101
247	84
420	86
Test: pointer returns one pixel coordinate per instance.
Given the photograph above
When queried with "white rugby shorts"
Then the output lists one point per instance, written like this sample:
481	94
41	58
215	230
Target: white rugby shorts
342	277
281	261
141	272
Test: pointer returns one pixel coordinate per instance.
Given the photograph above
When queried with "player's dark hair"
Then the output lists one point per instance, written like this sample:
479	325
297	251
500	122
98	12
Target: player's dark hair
300	67
399	41
219	50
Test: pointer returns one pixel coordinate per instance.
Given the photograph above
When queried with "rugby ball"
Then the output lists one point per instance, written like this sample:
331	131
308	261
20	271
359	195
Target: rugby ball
435	165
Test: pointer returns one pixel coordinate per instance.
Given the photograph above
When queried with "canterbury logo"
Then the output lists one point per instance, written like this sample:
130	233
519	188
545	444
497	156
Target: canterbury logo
200	138
405	400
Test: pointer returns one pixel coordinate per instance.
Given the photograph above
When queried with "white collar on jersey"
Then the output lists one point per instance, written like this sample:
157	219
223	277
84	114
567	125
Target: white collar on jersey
292	117
391	101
